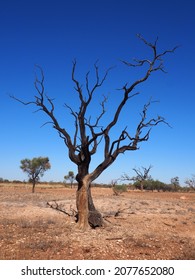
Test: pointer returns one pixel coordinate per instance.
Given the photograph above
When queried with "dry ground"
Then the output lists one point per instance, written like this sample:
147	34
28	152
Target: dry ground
140	225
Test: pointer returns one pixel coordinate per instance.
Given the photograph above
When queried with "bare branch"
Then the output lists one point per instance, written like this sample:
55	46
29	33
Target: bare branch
142	175
54	205
154	64
98	83
96	124
126	177
78	87
116	147
89	133
40	101
46	123
75	115
21	101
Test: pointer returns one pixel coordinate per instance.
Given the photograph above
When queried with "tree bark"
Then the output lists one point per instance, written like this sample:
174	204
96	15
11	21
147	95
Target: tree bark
87	213
95	218
82	204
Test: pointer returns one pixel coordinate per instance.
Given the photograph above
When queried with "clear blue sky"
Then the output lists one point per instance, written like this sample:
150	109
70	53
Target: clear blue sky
52	33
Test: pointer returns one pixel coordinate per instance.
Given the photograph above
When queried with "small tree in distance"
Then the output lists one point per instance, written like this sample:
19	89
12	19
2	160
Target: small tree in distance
175	182
70	177
84	142
35	168
191	182
141	176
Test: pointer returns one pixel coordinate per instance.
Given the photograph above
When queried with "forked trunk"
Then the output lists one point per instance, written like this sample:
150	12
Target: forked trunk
87	213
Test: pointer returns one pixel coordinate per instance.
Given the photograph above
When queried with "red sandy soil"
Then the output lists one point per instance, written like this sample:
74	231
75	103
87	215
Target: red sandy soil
139	225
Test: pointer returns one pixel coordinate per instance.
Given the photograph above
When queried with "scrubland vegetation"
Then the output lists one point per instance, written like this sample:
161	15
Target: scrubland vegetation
149	185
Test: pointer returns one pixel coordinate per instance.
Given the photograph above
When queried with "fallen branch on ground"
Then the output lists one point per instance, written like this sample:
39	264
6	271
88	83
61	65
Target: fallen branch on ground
54	205
114	238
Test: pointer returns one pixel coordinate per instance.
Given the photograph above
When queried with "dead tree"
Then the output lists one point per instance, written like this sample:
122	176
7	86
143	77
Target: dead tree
141	176
84	143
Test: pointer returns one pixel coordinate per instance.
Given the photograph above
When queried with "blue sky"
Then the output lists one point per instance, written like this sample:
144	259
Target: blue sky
53	33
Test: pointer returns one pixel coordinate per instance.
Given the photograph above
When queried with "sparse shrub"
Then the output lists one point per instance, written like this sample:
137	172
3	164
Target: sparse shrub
151	185
16	181
118	189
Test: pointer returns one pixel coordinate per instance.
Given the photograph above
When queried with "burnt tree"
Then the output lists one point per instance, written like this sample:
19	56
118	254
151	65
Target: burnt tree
87	135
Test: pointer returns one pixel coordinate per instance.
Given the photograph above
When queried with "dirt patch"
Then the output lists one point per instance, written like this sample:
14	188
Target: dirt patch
139	225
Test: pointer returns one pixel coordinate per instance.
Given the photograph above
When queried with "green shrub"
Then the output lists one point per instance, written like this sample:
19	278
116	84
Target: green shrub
118	189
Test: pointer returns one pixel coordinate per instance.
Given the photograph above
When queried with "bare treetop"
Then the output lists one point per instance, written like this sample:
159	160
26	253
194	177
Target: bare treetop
84	142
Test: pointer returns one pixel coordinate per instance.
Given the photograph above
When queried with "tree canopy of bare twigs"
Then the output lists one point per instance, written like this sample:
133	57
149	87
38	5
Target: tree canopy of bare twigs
84	142
141	175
